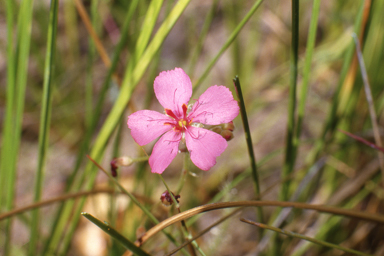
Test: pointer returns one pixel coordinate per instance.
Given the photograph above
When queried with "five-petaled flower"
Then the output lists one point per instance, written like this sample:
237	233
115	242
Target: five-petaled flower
173	89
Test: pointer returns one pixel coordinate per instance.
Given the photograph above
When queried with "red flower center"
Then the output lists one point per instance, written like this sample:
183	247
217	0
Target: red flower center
181	123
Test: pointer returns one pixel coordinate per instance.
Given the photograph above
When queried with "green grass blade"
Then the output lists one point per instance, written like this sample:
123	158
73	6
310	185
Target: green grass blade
289	161
23	39
307	70
227	43
9	108
310	239
248	138
8	128
149	24
115	234
45	118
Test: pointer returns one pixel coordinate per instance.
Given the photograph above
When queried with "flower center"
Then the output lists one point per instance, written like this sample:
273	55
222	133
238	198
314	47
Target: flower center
181	123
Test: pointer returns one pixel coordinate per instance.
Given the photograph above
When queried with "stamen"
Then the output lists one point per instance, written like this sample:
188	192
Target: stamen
170	113
185	108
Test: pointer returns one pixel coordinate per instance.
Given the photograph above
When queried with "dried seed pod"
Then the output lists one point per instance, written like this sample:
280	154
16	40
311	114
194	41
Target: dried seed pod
166	198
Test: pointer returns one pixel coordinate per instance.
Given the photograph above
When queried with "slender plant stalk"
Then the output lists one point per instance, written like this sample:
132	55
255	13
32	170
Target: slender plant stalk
12	145
45	119
177	205
183	174
227	43
7	132
6	162
115	234
371	107
248	139
307	71
289	161
310	239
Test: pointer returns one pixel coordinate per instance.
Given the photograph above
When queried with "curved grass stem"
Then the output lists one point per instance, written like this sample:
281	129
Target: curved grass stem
210	207
310	239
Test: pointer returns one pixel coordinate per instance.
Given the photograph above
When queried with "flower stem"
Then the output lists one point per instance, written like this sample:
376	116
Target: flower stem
177	205
248	138
183	174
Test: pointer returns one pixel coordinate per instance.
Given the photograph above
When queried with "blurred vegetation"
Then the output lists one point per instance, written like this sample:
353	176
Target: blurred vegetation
71	71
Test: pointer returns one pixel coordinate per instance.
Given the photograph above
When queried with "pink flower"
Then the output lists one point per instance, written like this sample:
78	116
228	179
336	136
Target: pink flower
173	89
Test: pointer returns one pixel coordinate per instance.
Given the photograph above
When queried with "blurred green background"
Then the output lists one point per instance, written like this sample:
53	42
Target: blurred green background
72	71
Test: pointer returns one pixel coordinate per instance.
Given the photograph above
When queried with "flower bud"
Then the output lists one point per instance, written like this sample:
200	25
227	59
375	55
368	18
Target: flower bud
119	161
166	198
229	126
216	129
227	135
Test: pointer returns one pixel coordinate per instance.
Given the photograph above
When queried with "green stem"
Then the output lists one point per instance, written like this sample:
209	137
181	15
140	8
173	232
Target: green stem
289	161
248	138
307	69
183	174
45	119
177	205
10	151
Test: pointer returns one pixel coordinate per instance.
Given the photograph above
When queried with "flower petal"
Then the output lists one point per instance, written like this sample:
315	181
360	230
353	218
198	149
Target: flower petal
215	106
173	88
204	146
147	125
164	151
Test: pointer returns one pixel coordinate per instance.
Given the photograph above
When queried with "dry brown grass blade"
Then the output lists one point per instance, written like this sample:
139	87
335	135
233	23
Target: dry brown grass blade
210	207
60	199
351	76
